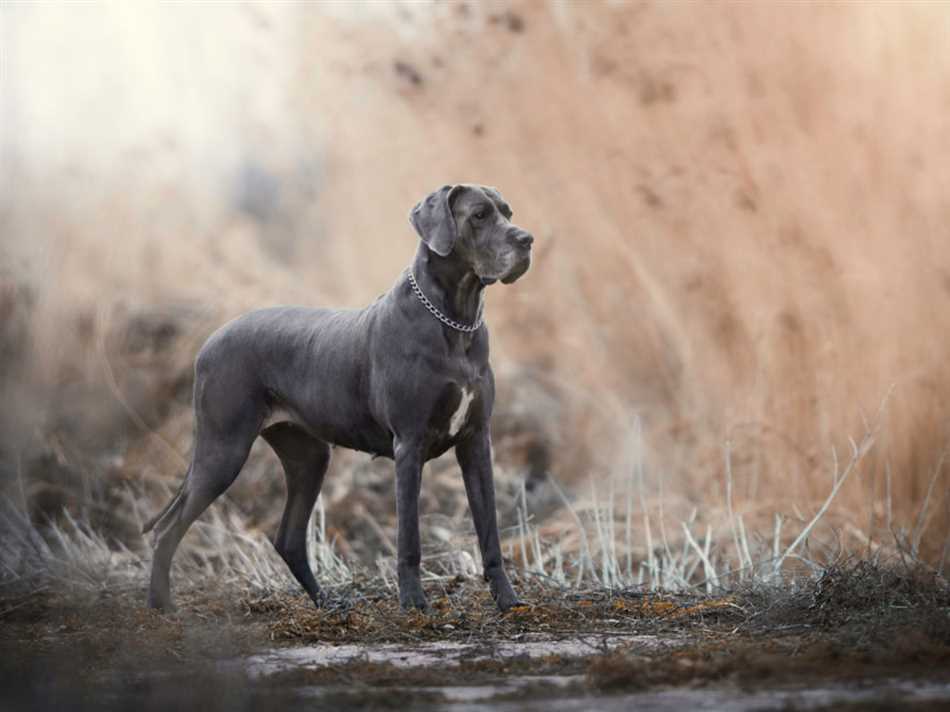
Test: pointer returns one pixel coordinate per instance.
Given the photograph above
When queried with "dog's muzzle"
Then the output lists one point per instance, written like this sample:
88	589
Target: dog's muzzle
522	240
516	258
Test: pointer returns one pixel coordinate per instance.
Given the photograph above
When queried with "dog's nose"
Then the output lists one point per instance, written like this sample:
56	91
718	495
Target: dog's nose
522	238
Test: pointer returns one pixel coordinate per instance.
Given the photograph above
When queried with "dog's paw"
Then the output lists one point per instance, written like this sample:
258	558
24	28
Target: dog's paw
321	600
509	603
412	598
162	604
502	592
418	603
513	605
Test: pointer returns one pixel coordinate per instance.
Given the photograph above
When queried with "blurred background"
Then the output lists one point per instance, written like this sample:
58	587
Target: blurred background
740	214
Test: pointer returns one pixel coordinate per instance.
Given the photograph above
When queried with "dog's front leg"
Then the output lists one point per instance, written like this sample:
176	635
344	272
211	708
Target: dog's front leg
408	458
474	456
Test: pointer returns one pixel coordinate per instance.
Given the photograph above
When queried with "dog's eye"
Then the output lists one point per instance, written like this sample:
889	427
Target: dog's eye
480	214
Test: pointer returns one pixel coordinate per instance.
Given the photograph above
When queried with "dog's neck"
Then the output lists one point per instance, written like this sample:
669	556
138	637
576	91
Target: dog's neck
450	285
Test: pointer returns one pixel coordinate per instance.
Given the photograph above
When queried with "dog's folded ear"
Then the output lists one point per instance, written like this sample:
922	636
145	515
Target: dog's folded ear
433	220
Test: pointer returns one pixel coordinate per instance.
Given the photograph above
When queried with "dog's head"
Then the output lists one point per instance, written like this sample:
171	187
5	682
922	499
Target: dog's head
472	223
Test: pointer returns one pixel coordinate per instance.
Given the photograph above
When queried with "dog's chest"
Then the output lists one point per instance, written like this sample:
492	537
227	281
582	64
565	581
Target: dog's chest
455	411
460	416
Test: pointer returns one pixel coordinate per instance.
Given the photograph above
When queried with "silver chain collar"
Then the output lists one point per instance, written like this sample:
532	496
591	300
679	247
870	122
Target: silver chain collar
465	328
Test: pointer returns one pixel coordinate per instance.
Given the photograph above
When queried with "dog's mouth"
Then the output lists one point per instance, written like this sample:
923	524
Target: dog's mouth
486	281
518	270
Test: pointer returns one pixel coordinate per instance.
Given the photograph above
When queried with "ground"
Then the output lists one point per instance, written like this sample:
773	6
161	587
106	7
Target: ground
862	635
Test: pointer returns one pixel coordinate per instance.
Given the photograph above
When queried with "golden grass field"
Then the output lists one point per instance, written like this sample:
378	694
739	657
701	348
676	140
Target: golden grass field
740	213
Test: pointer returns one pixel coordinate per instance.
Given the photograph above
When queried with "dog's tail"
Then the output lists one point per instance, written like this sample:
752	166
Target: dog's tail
169	508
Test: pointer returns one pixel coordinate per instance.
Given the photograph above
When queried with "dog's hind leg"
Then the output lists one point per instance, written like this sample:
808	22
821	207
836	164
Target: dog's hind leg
305	460
218	458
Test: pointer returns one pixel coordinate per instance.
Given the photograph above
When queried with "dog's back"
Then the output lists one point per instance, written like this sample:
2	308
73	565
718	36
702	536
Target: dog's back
296	364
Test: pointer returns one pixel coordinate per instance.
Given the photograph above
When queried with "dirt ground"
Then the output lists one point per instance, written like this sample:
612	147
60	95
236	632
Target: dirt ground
860	628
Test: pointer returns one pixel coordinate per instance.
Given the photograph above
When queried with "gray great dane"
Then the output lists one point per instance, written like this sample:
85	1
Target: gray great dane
406	378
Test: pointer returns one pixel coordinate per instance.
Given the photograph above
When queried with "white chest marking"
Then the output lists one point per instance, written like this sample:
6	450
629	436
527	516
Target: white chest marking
461	413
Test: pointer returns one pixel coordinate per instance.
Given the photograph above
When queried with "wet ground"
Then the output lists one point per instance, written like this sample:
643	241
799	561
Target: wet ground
575	691
841	644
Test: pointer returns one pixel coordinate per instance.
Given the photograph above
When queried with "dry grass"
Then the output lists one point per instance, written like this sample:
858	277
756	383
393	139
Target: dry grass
740	252
580	546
